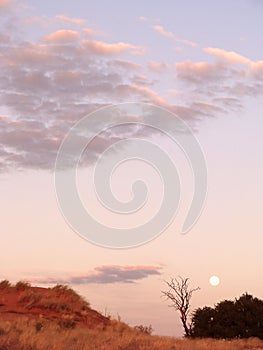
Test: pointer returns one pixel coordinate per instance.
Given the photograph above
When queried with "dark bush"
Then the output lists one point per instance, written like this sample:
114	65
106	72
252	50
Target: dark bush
241	318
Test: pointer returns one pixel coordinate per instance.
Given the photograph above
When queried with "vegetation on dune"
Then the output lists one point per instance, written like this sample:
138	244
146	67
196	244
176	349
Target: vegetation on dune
58	318
59	303
5	284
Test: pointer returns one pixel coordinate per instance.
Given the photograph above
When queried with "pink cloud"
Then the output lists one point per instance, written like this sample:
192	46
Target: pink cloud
102	48
89	32
141	80
143	19
157	67
257	66
126	65
5	3
199	70
162	31
45	80
187	42
70	20
179	49
174	92
229	56
141	91
62	36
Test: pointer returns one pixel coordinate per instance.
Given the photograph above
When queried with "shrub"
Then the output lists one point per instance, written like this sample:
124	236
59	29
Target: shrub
38	326
144	329
71	296
54	305
22	285
67	323
30	298
5	284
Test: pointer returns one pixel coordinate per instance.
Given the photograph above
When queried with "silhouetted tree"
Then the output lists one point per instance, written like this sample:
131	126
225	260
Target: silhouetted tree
180	294
241	318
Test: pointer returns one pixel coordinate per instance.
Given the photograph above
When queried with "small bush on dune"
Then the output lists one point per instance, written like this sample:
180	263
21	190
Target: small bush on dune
5	284
53	305
144	329
67	322
69	294
30	298
39	326
22	285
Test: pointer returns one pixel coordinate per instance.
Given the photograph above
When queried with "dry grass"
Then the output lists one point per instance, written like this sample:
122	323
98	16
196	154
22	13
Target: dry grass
33	318
27	334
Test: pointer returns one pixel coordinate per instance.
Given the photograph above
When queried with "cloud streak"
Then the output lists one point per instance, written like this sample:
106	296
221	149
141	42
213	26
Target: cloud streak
168	34
62	36
162	31
229	56
70	20
106	274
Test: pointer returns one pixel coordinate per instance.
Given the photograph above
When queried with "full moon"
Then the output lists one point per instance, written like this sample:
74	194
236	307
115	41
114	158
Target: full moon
214	281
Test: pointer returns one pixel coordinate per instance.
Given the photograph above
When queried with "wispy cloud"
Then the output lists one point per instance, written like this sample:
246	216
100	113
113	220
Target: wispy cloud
234	57
103	48
126	65
162	31
186	42
70	20
230	56
157	67
143	19
198	71
224	82
89	32
62	36
48	84
106	274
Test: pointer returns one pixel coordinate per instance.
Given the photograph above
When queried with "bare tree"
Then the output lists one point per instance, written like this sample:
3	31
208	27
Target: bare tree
180	294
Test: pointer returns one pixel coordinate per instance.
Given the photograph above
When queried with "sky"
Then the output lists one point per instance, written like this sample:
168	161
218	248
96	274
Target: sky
203	61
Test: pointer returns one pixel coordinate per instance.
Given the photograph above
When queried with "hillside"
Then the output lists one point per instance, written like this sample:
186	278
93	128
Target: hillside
60	304
34	318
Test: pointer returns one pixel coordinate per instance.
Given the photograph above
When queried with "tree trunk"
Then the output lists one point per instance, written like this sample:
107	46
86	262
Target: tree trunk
186	329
